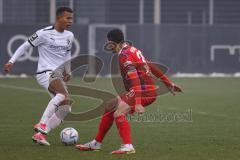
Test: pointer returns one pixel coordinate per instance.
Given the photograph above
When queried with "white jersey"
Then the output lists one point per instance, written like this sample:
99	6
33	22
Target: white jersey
54	47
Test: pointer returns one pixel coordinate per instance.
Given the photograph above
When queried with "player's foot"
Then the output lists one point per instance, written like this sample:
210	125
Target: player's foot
41	127
90	146
39	138
125	149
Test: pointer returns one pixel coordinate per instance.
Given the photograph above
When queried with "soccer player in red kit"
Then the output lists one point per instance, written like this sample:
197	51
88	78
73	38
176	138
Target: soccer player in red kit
140	92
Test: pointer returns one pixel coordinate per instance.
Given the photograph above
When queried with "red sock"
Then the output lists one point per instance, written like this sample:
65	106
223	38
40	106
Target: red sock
124	129
104	126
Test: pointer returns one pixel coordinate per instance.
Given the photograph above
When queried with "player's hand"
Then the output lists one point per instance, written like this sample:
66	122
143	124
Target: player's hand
8	67
66	77
175	88
139	109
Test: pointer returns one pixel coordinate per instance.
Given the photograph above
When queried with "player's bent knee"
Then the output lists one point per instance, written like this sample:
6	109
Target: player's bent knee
122	108
66	102
63	99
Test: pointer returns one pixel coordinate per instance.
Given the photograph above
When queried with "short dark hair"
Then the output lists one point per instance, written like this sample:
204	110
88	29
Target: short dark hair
60	10
115	35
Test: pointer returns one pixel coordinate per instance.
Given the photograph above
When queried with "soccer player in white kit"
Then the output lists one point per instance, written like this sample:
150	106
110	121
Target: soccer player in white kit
54	47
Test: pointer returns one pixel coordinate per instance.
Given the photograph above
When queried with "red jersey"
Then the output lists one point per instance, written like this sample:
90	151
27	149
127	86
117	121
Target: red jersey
131	60
136	72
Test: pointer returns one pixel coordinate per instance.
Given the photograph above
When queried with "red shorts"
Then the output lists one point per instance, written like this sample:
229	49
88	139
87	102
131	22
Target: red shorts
147	98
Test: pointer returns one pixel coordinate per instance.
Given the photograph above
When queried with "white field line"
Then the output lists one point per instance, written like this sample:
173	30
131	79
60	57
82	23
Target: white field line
31	125
22	88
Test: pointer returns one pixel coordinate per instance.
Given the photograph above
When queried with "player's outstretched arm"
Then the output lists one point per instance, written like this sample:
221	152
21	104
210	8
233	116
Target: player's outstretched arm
158	73
18	53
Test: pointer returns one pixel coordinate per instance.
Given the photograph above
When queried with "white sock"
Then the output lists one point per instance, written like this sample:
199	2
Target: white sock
96	142
58	117
53	122
128	145
51	107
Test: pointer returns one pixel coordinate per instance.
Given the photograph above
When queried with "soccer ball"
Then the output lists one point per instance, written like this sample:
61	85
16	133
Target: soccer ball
69	136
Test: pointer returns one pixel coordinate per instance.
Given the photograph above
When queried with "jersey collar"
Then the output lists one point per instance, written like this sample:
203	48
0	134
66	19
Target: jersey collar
124	46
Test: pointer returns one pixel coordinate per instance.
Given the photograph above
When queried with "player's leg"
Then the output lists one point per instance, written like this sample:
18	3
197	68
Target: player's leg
123	129
39	137
123	125
43	80
125	107
106	123
63	104
52	118
104	126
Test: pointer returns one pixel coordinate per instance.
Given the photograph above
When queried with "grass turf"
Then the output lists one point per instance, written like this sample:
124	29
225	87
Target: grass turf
213	133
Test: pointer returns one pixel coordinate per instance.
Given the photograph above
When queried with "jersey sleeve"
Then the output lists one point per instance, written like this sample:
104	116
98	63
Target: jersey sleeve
69	51
20	51
159	74
72	38
36	39
132	77
68	56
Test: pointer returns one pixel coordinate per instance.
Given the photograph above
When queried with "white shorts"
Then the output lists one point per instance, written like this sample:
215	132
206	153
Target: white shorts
43	80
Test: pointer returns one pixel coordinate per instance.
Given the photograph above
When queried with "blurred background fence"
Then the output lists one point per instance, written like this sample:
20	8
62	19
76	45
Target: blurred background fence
186	35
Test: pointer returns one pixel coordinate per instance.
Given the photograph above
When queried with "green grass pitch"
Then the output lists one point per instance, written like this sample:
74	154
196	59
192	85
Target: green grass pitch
211	133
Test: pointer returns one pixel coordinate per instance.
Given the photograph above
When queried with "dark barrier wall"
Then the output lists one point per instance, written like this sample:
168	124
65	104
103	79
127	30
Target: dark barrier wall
184	48
11	36
189	48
